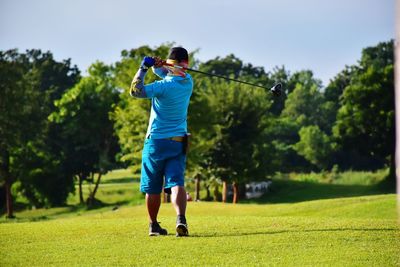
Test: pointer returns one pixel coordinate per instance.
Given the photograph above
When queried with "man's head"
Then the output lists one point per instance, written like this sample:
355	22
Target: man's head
178	56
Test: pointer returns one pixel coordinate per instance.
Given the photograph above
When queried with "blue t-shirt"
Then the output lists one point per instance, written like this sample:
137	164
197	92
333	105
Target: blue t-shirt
169	105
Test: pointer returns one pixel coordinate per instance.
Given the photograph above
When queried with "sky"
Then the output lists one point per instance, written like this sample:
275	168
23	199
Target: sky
318	35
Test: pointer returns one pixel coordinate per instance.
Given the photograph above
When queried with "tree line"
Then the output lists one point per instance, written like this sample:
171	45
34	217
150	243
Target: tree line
58	127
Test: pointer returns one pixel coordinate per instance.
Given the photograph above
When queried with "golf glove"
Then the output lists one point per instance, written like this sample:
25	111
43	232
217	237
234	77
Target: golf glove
147	63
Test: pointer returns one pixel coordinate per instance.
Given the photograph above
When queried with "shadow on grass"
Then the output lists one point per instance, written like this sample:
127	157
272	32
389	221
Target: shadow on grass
289	191
272	232
54	213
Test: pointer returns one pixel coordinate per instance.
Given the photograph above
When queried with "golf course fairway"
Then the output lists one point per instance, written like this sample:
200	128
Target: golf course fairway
354	231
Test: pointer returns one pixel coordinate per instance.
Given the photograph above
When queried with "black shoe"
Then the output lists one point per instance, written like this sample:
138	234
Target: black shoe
181	226
156	230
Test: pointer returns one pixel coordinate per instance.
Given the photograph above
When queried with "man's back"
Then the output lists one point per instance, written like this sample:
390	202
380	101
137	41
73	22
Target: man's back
170	101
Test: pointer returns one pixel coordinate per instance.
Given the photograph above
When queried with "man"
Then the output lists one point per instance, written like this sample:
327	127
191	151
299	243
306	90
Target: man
164	156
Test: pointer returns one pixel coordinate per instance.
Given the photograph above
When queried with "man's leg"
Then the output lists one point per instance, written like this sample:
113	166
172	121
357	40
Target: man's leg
178	199
153	202
151	182
174	179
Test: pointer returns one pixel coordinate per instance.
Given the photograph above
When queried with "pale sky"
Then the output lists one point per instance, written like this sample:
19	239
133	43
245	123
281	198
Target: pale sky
320	35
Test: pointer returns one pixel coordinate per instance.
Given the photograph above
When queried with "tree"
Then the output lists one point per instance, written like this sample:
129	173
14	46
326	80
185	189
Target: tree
303	103
39	164
89	144
239	116
28	84
283	134
281	75
314	145
365	122
332	96
302	108
42	177
17	104
231	66
222	130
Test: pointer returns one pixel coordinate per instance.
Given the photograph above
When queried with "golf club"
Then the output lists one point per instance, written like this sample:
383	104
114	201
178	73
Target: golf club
276	90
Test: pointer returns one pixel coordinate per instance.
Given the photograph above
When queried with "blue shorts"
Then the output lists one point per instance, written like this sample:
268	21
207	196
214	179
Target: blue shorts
162	159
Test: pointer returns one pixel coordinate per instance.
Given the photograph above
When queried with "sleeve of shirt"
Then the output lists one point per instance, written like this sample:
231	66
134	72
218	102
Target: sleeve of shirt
156	89
160	72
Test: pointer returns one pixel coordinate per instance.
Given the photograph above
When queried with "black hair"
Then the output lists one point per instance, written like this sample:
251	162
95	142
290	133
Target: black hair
179	54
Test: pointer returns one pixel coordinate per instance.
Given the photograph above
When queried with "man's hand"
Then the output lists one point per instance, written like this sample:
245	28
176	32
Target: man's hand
147	63
158	62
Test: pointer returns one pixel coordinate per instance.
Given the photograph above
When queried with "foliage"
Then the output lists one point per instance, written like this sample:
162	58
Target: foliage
230	141
314	145
301	108
240	118
231	66
30	83
239	133
332	96
365	121
83	112
43	178
303	104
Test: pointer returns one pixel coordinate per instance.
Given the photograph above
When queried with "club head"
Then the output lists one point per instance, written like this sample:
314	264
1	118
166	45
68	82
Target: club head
276	90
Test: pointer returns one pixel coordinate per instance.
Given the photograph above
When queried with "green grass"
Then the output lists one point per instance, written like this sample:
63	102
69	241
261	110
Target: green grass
112	194
356	231
120	176
334	219
121	187
290	188
289	191
365	178
298	187
117	187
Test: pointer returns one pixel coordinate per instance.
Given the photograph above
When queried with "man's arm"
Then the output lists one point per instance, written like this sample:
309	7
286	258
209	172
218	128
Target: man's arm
137	85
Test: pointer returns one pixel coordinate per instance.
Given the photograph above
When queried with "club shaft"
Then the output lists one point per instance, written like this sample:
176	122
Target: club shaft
226	78
217	76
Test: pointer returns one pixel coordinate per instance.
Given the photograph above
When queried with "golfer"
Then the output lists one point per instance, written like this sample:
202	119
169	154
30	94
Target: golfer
164	151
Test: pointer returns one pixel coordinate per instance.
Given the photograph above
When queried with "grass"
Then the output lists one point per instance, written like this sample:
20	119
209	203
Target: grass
298	187
118	187
342	178
289	191
335	219
355	231
290	188
121	187
112	194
